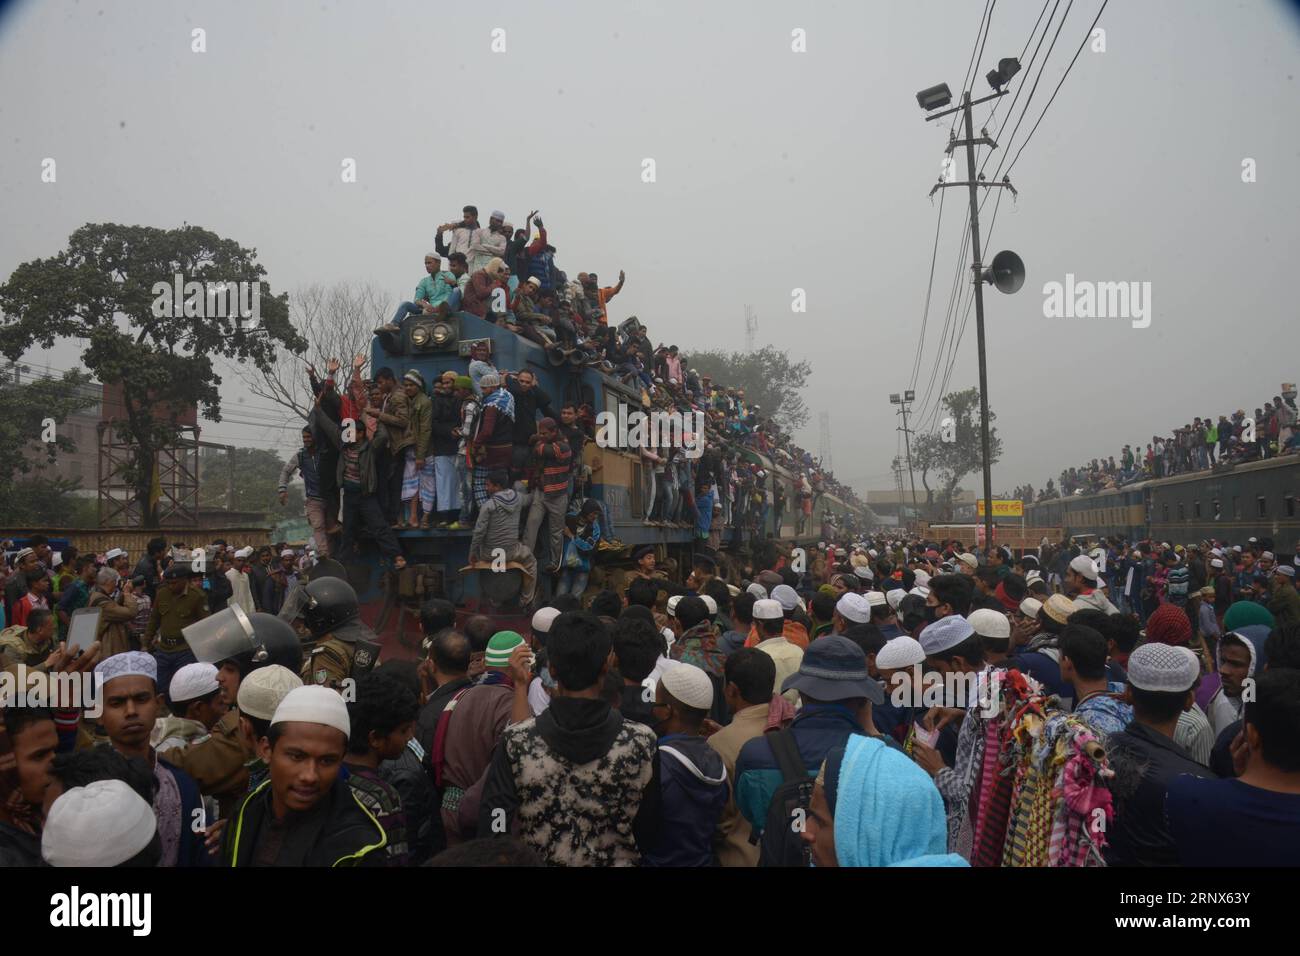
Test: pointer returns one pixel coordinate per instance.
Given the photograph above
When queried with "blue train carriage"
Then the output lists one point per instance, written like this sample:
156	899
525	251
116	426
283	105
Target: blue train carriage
435	558
1233	502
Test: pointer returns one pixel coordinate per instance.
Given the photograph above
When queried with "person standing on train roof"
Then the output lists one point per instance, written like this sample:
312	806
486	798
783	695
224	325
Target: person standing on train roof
461	233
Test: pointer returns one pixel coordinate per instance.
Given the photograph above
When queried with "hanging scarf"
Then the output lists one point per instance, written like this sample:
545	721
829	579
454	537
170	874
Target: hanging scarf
502	401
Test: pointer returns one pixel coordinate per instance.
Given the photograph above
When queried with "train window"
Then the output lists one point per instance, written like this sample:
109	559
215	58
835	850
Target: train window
1261	506
1236	508
1164	512
1196	508
1215	505
1181	515
1289	502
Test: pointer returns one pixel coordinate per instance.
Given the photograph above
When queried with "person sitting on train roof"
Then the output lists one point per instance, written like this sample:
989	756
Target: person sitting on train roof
438	293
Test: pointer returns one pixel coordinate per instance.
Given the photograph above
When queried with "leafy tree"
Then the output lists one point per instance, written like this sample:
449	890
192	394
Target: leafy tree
953	460
24	411
336	321
101	290
768	377
256	485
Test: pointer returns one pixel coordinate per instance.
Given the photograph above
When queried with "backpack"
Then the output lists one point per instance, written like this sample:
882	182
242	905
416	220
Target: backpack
782	841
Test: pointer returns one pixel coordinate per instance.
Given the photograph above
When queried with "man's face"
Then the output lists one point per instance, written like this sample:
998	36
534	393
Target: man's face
286	564
264	558
228	680
308	441
546	434
131	705
568	415
40	586
88	573
177	585
431	264
526	379
121	564
940	610
411	389
1234	666
1073	582
1247	561
391	745
647	562
304	763
457	267
819	832
34	748
469	217
210	711
28	564
45	635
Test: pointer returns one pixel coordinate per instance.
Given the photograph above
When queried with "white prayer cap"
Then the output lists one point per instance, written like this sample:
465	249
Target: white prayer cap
895	597
192	682
757	590
673	602
969	560
544	618
900	652
875	599
854	607
785	595
945	633
1085	566
128	664
1163	668
1030	607
314	704
1216	562
108	556
104	823
711	604
261	691
244	552
688	684
767	610
863	571
990	623
922	579
287	553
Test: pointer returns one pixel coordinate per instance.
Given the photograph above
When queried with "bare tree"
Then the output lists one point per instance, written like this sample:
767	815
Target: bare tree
338	321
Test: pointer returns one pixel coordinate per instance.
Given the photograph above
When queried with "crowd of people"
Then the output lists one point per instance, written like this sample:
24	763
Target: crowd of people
1196	446
879	700
510	277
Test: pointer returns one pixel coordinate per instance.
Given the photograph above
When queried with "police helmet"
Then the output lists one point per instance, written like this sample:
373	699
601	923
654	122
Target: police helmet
332	602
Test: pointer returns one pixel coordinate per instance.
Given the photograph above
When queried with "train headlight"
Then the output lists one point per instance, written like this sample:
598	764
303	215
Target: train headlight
420	336
441	333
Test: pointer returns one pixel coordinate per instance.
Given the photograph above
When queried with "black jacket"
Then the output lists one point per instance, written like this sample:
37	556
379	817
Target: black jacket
1144	761
445	417
528	402
411	777
19	848
338	831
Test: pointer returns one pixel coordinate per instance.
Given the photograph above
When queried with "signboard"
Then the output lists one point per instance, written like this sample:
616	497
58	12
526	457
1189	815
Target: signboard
1002	509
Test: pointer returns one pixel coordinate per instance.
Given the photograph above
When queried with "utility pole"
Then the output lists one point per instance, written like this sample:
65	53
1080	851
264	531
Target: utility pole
903	400
1008	271
751	328
978	274
824	440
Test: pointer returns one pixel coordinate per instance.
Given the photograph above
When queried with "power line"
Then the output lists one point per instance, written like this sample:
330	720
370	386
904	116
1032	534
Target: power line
1086	36
1027	68
929	287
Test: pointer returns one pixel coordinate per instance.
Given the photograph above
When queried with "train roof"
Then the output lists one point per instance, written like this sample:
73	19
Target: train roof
1246	467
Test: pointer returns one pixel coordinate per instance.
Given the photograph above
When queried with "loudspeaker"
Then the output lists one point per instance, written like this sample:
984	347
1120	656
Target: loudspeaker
1007	272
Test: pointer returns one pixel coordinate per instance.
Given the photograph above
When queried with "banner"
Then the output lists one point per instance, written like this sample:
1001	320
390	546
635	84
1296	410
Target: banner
1002	509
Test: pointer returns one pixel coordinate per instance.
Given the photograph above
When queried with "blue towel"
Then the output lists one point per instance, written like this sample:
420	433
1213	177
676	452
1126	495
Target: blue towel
888	811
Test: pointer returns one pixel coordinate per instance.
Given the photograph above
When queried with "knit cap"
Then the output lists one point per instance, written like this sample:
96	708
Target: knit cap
500	648
1169	624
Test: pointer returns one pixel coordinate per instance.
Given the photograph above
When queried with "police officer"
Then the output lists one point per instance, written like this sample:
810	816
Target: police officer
220	763
344	644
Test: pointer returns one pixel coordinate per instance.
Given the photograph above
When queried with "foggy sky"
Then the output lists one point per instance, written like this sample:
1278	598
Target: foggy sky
775	171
